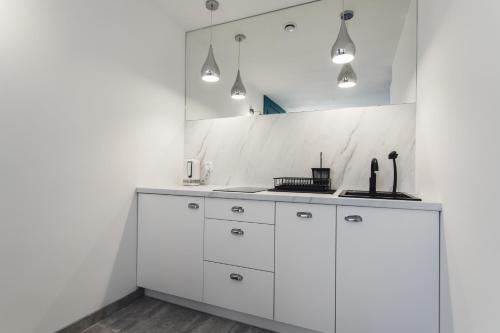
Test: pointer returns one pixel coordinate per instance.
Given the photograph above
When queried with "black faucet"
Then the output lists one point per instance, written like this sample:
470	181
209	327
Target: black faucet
392	156
373	177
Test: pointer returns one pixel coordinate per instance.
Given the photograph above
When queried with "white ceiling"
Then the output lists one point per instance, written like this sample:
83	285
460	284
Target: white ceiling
192	14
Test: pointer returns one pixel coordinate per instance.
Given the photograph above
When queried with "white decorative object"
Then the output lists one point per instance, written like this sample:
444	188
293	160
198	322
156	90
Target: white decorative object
206	171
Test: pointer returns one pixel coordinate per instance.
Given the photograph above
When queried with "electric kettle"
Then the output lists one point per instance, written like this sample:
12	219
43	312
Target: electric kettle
192	172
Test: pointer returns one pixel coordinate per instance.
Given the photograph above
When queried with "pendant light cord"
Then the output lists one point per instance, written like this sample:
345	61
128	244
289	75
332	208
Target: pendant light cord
239	53
211	24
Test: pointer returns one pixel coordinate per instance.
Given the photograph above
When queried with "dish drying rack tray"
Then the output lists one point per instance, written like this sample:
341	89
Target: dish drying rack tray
302	184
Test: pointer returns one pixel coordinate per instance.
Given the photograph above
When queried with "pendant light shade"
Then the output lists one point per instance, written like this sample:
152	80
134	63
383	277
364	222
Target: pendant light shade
344	50
210	71
238	90
347	77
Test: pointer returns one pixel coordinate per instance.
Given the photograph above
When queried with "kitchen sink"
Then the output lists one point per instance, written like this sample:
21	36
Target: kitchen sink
378	195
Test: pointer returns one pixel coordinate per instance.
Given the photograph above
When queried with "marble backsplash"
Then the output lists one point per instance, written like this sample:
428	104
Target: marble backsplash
253	150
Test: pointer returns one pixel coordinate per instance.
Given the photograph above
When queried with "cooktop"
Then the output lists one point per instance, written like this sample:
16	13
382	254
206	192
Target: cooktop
242	189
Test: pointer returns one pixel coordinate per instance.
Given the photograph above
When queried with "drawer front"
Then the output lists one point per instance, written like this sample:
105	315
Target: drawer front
239	243
240	210
239	289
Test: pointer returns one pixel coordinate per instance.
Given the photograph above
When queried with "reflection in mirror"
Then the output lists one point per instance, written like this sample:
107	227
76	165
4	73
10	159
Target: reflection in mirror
285	61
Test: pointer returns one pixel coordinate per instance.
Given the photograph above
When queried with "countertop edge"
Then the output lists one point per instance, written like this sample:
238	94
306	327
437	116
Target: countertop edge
324	199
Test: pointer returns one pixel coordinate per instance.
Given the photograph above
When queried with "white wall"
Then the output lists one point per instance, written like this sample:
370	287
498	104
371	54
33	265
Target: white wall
458	160
91	106
404	75
253	150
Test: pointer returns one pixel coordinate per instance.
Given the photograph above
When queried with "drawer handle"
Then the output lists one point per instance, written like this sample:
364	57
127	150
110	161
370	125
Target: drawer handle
305	215
193	205
237	232
237	209
353	218
236	277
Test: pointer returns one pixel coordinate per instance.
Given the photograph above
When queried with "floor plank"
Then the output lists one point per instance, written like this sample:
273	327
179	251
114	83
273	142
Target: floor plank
148	315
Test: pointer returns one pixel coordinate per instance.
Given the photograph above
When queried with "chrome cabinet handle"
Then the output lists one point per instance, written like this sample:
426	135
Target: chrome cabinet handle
237	209
353	218
236	277
304	215
237	232
193	205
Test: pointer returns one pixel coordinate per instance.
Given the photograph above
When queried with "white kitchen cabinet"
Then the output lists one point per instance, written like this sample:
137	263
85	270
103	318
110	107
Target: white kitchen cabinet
170	245
305	266
329	268
387	271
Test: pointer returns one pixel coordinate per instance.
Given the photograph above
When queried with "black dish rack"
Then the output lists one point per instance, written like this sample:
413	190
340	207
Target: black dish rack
301	184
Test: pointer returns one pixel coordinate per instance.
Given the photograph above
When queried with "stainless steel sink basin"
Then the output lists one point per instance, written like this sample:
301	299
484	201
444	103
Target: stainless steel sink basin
378	195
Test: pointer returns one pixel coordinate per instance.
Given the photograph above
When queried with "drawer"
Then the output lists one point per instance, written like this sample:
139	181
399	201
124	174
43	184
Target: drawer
240	243
240	210
239	289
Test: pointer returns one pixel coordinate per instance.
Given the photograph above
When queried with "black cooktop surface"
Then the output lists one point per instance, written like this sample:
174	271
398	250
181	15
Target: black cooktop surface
242	189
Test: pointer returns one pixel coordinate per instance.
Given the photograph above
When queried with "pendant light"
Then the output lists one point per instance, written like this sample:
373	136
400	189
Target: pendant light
238	91
344	50
210	71
347	77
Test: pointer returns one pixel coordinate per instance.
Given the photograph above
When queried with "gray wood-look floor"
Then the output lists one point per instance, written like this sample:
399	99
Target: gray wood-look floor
148	315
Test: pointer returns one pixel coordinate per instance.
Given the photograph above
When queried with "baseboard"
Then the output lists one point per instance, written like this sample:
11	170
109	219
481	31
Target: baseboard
267	324
100	314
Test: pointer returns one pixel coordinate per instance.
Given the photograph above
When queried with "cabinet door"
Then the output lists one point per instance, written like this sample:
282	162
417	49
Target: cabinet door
387	271
170	245
305	266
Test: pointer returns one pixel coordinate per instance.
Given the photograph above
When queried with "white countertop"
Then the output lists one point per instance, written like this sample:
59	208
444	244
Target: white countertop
313	198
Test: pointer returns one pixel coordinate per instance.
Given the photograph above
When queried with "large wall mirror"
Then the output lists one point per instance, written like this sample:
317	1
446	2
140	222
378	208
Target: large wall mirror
286	64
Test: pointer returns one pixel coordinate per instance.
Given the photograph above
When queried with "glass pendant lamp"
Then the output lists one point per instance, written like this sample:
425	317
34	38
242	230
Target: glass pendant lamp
210	71
347	77
344	50
238	91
